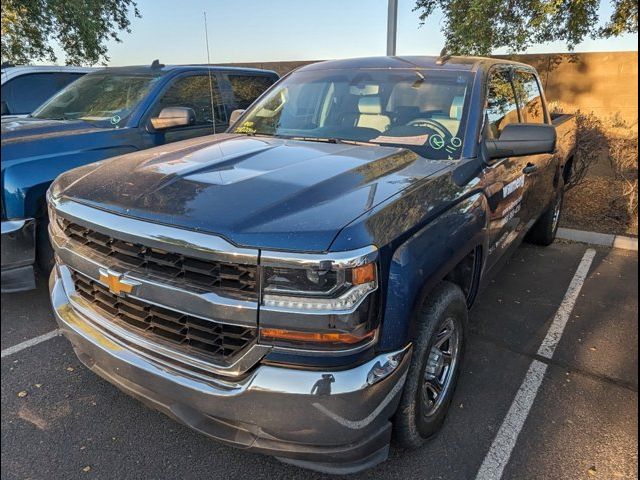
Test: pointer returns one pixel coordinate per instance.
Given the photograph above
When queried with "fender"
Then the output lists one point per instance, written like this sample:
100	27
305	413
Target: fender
425	259
422	233
25	183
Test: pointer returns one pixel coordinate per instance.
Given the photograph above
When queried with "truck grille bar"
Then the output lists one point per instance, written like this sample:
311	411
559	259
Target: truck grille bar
226	279
187	333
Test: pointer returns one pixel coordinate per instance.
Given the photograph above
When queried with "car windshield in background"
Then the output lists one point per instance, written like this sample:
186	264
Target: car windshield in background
422	110
106	99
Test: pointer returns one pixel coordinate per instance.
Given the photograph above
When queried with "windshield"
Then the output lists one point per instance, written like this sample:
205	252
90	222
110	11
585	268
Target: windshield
104	98
422	110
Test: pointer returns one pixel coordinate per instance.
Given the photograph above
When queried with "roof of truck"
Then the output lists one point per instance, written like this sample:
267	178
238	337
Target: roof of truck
426	62
165	69
11	71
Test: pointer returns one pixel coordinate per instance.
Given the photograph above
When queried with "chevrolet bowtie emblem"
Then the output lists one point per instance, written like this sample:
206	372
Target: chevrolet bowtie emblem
116	282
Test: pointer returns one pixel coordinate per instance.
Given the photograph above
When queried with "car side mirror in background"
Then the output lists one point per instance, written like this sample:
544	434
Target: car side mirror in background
521	139
235	115
5	108
171	117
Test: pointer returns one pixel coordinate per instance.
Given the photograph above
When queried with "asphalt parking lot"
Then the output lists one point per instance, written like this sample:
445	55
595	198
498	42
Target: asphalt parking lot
60	421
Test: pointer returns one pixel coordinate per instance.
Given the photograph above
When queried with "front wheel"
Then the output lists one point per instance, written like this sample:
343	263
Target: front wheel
437	354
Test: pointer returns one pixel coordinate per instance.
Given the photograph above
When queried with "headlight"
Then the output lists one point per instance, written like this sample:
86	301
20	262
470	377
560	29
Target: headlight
321	288
319	301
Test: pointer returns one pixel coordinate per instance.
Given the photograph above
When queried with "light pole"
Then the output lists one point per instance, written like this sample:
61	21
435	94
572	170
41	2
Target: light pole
392	28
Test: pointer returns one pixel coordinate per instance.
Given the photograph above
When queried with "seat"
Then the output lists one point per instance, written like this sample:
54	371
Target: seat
456	108
370	114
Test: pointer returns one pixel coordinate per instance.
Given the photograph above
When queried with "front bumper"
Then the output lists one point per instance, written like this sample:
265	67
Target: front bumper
18	255
335	422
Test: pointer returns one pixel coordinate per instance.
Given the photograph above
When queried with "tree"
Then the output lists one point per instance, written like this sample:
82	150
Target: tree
477	27
80	27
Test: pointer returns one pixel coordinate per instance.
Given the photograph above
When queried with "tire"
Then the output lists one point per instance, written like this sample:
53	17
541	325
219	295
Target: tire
544	231
415	420
44	250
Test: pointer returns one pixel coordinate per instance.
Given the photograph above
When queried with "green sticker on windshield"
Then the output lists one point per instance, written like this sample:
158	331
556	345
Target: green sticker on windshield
436	142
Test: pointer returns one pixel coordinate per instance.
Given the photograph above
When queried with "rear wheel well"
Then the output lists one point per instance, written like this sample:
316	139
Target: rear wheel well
466	274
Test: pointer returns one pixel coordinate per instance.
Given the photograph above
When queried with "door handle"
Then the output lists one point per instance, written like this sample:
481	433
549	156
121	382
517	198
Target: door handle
529	169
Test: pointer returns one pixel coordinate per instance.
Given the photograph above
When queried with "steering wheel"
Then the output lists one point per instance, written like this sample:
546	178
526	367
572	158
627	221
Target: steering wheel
434	125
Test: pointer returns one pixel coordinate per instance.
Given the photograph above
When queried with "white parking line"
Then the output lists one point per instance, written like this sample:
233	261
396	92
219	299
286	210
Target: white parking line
29	343
498	456
550	342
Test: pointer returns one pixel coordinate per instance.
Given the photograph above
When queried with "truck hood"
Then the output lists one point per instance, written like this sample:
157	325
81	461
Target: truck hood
27	129
26	140
254	191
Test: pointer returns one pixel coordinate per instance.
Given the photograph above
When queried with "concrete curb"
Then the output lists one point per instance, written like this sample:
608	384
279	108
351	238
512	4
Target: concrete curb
603	239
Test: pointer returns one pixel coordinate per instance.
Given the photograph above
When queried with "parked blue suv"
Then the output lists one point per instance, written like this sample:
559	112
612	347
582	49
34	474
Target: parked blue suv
107	113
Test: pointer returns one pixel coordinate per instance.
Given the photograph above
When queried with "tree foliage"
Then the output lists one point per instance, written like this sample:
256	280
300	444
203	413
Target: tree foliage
80	27
477	27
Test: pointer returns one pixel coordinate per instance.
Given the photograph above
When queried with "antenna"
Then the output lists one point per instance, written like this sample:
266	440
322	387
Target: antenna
206	37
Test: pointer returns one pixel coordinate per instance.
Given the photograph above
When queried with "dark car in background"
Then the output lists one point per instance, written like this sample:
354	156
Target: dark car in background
26	87
109	112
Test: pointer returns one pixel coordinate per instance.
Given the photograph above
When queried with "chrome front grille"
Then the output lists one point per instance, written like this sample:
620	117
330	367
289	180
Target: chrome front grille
185	333
225	279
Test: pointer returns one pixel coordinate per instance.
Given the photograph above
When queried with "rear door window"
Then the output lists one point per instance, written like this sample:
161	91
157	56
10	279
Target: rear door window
195	92
529	97
502	107
25	93
246	88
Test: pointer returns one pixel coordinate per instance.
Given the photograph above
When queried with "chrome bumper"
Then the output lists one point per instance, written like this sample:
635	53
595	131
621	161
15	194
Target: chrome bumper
18	255
335	422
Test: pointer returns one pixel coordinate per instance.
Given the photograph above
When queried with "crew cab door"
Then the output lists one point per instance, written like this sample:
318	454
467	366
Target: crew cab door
506	179
199	92
541	171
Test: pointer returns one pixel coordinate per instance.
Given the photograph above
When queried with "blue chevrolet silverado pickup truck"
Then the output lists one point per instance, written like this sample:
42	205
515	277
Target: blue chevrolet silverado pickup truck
106	113
299	285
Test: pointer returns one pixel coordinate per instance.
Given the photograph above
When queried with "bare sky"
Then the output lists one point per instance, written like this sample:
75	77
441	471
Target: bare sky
267	30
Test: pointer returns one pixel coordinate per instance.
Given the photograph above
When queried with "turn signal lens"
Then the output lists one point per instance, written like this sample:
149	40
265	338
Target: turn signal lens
364	274
314	337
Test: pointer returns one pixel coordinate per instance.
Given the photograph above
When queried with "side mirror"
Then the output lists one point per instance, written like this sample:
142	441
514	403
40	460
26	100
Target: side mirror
235	115
522	139
171	117
5	108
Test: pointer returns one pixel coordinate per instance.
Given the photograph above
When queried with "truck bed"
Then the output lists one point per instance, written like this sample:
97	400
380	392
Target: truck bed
566	129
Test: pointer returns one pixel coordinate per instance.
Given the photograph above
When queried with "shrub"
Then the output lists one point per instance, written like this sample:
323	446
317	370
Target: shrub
623	155
592	143
614	139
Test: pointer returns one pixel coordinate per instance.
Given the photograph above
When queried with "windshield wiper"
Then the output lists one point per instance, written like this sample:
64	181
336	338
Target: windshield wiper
254	134
324	140
312	139
306	139
61	117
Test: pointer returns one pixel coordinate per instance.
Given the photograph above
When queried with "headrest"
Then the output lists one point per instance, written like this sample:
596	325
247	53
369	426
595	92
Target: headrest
456	108
370	105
